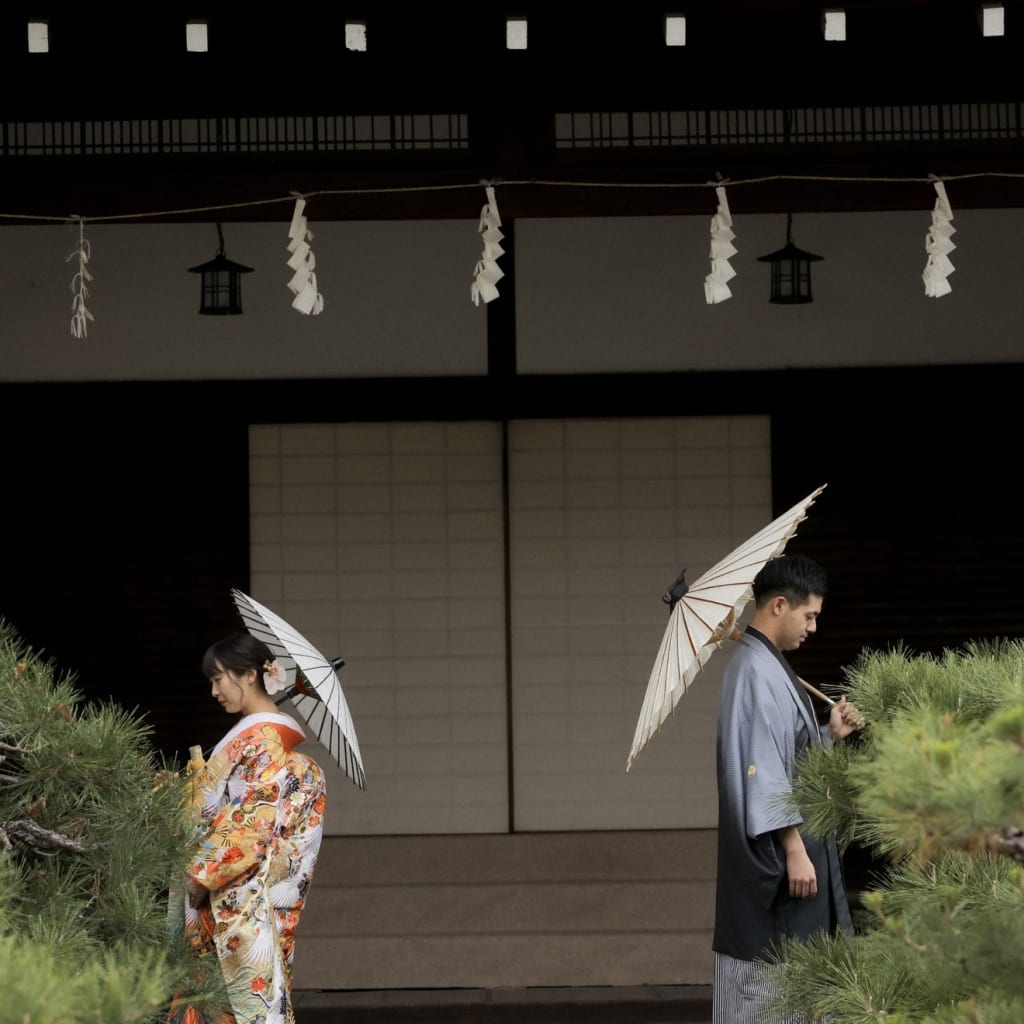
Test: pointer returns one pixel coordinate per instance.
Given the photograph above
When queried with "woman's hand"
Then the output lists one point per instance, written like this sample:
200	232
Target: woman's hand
197	895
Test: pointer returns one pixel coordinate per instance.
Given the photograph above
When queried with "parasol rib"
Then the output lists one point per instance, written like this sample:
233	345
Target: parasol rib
698	620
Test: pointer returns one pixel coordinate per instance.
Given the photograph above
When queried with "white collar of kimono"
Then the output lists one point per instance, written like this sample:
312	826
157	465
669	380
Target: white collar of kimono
260	718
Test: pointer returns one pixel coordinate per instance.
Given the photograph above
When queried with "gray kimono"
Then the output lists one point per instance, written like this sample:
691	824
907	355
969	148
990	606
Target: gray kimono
766	720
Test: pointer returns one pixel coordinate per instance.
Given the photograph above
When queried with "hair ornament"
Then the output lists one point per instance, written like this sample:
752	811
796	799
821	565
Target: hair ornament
275	676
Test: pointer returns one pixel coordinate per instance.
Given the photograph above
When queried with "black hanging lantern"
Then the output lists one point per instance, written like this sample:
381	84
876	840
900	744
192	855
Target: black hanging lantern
221	285
791	270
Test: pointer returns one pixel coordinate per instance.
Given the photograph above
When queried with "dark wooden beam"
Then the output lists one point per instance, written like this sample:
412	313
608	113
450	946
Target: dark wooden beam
608	59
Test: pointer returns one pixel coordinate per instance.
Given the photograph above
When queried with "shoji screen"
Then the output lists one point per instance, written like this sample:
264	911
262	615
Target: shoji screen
385	544
604	514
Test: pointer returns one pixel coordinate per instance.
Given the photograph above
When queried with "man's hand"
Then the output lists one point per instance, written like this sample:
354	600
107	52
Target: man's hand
843	719
803	882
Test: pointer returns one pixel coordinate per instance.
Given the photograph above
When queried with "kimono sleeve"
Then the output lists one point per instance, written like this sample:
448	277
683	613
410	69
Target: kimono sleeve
238	838
769	742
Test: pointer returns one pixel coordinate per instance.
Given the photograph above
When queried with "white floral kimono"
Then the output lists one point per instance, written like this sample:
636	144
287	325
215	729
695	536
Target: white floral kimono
260	807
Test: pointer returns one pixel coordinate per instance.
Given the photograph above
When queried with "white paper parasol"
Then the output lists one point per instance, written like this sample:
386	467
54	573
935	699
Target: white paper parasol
704	615
317	693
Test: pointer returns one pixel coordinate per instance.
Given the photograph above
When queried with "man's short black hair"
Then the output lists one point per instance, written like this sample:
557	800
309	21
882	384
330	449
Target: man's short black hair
795	577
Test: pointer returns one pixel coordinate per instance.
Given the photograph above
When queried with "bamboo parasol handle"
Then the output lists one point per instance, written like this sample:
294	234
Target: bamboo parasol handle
851	716
817	693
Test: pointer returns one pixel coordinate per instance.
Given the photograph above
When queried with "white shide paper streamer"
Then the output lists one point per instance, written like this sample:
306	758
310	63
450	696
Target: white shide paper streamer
80	315
716	288
487	273
939	244
303	262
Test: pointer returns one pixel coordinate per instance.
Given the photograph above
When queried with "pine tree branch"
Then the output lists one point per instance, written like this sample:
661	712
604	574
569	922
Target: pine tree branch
41	840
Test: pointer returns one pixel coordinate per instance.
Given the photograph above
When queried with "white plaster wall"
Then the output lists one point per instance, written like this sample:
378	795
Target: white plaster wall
396	302
627	294
593	295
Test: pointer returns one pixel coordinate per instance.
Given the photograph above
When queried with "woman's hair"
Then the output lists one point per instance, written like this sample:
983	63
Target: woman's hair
237	653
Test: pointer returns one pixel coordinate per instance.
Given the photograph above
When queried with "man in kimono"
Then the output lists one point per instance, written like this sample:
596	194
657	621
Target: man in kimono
774	881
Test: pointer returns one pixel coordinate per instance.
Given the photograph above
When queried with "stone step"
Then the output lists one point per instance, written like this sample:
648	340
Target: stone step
509	911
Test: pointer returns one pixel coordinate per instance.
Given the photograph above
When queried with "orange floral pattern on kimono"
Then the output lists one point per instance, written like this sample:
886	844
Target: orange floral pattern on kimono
260	806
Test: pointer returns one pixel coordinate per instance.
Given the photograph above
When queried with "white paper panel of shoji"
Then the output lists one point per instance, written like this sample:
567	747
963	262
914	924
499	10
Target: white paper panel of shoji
604	514
383	543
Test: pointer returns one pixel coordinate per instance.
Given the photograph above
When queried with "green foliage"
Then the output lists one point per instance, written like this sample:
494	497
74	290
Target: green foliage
933	785
970	683
95	834
109	987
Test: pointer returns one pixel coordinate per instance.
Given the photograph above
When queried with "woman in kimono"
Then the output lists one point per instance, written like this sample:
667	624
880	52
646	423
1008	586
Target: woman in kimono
259	806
